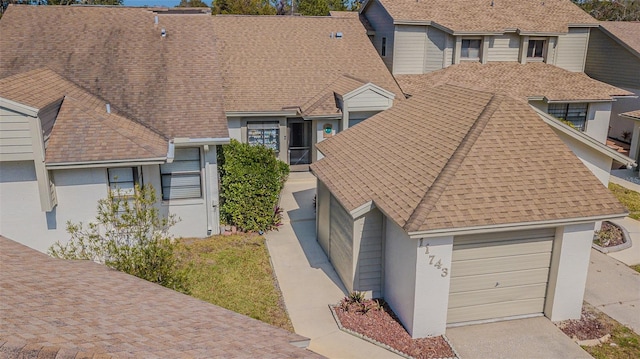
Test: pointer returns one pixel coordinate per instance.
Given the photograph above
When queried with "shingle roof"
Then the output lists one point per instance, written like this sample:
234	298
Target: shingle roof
548	16
81	306
276	62
454	158
83	130
324	103
634	114
171	84
627	32
522	81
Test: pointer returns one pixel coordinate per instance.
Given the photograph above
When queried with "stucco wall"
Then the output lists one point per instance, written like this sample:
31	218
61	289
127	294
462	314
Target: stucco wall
568	273
400	273
21	218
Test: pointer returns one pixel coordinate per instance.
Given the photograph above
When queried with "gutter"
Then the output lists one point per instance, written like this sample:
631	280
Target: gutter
261	113
587	140
187	142
109	163
512	226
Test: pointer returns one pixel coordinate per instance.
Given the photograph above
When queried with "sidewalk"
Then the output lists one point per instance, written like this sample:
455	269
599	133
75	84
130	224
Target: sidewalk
614	288
307	280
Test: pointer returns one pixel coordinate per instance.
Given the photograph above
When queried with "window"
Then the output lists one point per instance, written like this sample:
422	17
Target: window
383	48
264	133
182	178
536	49
575	113
470	49
123	179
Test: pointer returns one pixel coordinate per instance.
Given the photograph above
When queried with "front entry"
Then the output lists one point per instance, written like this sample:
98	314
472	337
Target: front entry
299	144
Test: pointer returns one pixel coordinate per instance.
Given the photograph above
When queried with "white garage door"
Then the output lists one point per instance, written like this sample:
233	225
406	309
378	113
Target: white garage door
499	275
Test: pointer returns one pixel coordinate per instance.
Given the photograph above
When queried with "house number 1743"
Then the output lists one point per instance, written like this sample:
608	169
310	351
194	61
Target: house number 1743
436	262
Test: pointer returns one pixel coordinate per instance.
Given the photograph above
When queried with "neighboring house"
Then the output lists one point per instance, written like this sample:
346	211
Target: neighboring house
415	37
464	209
635	143
584	103
94	98
291	82
614	58
52	308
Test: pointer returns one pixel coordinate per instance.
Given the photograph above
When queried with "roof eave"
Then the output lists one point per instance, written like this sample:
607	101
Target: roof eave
581	137
106	163
512	226
262	113
18	107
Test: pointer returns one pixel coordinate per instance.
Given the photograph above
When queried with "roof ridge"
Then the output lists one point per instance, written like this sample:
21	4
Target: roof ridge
437	188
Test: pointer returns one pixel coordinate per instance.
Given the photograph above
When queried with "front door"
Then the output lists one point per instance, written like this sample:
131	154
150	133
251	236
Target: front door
299	145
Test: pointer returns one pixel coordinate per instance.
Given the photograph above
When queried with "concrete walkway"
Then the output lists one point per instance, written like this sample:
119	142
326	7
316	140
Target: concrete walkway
629	256
614	288
309	284
307	279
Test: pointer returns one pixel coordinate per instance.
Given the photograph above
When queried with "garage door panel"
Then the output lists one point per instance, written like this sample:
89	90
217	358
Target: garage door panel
500	264
501	249
508	279
547	233
497	295
495	310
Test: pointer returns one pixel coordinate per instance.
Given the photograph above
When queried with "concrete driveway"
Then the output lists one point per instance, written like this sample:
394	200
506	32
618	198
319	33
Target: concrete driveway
309	284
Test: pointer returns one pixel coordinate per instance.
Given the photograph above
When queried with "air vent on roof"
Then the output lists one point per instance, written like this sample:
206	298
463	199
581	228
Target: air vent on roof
108	108
338	35
155	21
163	33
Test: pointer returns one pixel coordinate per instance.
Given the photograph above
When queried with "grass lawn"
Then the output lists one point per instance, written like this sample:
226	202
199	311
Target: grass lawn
636	268
627	345
629	198
234	272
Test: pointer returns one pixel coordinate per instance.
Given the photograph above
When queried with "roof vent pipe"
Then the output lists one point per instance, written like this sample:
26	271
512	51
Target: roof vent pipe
491	4
155	21
163	33
108	108
338	35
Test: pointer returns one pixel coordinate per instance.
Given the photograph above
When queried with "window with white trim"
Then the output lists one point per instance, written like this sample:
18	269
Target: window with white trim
182	178
470	49
574	113
535	49
383	48
123	180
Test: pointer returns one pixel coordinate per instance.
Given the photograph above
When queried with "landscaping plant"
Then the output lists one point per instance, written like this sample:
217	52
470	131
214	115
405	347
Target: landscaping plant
251	180
129	235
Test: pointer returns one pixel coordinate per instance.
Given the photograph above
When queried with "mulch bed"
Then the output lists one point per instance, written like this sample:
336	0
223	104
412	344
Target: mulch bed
609	235
590	325
374	319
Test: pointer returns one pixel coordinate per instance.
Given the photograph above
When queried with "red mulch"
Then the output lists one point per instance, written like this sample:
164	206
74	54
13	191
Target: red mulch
609	235
381	324
589	326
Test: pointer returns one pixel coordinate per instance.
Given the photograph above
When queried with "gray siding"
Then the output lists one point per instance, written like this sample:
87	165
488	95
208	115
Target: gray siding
368	232
436	43
341	242
571	50
610	62
323	199
383	25
48	116
15	136
409	49
504	48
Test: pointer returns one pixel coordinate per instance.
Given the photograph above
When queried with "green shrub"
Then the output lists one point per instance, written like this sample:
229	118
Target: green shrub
129	235
251	180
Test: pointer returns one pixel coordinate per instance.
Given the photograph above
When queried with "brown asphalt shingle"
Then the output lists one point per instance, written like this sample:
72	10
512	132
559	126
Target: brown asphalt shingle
627	32
634	114
83	130
452	157
523	81
548	16
76	307
171	84
276	62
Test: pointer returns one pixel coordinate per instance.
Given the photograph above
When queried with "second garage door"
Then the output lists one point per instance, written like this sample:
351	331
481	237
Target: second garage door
499	275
